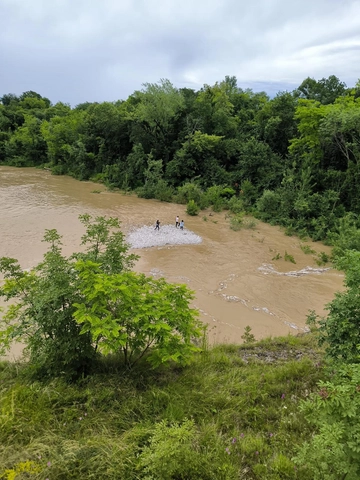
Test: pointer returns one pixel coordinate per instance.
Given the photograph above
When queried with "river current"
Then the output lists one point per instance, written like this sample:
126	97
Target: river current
237	281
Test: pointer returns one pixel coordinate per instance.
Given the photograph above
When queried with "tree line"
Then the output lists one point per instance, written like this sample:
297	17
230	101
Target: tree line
292	159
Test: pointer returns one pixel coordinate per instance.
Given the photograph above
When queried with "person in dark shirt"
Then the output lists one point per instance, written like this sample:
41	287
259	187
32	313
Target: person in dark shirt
157	226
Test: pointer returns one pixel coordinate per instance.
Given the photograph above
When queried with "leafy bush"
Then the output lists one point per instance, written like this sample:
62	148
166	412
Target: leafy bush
307	249
333	453
322	258
289	258
235	205
163	191
237	222
346	236
175	451
136	315
248	193
43	315
98	178
339	331
247	336
189	191
192	208
269	204
69	310
227	192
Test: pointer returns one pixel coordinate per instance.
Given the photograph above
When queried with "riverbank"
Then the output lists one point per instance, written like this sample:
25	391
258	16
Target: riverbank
233	412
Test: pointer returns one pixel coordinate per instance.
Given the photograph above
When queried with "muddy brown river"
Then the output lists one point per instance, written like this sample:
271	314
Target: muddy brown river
235	279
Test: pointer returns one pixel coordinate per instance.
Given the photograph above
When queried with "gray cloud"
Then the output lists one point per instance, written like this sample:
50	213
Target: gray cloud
81	50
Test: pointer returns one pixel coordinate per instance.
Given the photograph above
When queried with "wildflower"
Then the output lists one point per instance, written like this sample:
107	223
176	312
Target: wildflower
234	440
80	418
39	457
271	435
85	414
242	435
48	464
283	396
256	453
227	450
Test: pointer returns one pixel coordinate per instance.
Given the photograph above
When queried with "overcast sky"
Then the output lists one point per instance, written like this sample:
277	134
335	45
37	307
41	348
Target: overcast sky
92	50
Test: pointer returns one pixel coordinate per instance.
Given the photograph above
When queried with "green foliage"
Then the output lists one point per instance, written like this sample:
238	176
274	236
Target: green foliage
339	331
326	90
289	258
292	160
192	208
268	205
230	411
239	221
235	205
164	192
154	185
248	337
277	257
136	315
345	236
189	191
43	315
175	451
322	258
307	249
333	453
105	244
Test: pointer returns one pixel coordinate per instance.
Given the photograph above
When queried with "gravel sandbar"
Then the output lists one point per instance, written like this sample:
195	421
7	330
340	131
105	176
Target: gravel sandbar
146	236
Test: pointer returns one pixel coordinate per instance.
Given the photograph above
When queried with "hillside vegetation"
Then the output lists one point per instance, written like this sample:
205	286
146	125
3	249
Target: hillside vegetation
232	413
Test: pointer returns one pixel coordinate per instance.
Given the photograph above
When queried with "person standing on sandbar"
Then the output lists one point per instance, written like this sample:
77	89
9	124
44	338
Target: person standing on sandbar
157	226
177	222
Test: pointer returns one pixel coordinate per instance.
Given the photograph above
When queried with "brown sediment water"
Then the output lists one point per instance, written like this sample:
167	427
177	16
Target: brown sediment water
233	274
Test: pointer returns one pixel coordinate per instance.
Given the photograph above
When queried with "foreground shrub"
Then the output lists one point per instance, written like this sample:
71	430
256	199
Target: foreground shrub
339	331
43	316
69	310
334	453
136	315
175	451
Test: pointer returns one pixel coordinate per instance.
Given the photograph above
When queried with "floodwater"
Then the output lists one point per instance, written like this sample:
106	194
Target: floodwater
234	275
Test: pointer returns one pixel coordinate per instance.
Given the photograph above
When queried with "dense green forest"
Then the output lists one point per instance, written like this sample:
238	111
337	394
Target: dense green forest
291	160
